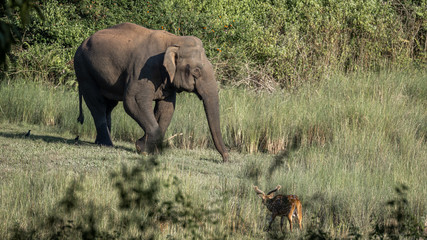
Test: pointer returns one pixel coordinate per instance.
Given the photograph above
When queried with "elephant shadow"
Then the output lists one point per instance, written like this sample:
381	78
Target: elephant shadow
52	139
212	160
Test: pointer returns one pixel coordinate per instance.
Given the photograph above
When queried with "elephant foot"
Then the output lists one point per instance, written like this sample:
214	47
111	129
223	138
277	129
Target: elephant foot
145	147
104	144
101	142
225	157
140	147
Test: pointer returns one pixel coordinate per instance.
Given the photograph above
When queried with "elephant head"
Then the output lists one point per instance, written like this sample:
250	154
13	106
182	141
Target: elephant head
190	70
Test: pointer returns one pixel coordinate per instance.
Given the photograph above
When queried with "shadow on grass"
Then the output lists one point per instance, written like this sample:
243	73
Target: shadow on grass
282	157
52	139
212	160
141	213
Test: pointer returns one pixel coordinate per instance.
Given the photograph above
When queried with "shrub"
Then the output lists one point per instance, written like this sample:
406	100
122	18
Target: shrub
254	43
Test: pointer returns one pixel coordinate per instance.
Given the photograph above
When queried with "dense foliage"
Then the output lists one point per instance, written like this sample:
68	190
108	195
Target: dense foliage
342	143
263	44
21	8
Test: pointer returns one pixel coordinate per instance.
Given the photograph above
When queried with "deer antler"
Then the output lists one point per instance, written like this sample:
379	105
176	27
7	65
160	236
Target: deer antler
272	191
258	191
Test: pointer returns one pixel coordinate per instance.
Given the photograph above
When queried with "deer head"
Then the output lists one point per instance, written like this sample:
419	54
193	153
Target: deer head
268	196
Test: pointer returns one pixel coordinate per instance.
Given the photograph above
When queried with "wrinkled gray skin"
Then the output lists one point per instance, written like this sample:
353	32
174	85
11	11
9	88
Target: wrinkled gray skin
137	65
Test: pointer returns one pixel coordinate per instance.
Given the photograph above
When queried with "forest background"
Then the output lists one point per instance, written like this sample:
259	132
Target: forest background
259	44
327	98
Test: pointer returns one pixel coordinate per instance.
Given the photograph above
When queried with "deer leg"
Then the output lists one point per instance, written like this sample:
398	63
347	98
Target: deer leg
291	212
273	216
299	215
281	223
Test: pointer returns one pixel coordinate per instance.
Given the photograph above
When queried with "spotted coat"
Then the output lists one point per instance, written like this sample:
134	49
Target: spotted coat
288	206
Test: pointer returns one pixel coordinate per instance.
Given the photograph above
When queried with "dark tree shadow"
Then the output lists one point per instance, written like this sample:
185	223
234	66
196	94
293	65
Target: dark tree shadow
279	159
213	160
52	139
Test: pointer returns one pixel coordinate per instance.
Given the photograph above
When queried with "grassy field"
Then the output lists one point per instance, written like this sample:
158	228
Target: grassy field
387	107
343	146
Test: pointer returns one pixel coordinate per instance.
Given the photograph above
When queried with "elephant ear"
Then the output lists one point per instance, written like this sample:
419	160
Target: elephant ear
169	62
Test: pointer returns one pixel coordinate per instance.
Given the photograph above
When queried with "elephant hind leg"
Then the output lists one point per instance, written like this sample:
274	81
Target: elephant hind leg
98	109
98	106
111	104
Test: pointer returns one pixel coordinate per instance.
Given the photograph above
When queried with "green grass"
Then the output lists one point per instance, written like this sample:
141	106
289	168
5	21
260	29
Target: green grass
387	106
342	146
337	192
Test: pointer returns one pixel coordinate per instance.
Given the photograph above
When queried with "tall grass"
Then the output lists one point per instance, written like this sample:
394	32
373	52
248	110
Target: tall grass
341	188
342	145
388	108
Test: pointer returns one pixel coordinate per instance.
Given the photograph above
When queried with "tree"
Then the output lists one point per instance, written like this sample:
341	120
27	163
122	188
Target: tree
8	10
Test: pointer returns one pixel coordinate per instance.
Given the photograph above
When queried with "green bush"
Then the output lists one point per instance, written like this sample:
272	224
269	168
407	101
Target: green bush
253	43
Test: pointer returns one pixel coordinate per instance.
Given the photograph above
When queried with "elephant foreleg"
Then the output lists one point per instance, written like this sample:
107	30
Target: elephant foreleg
163	112
139	107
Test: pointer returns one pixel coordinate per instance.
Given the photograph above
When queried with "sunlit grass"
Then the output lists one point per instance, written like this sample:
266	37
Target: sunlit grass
340	187
389	104
345	144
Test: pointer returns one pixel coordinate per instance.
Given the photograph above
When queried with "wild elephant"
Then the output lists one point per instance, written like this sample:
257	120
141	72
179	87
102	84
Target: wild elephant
136	65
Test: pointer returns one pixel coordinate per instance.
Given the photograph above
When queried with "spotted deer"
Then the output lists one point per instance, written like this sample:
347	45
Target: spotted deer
281	205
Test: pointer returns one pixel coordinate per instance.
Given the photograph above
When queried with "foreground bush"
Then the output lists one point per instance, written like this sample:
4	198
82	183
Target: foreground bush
142	213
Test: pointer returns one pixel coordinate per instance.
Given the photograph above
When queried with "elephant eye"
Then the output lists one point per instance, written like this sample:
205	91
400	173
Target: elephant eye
196	73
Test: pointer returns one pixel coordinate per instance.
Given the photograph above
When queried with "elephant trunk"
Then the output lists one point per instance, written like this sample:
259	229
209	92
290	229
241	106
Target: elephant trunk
209	95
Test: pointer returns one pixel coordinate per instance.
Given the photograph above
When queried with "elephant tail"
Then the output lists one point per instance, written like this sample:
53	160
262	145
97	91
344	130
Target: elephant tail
81	117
